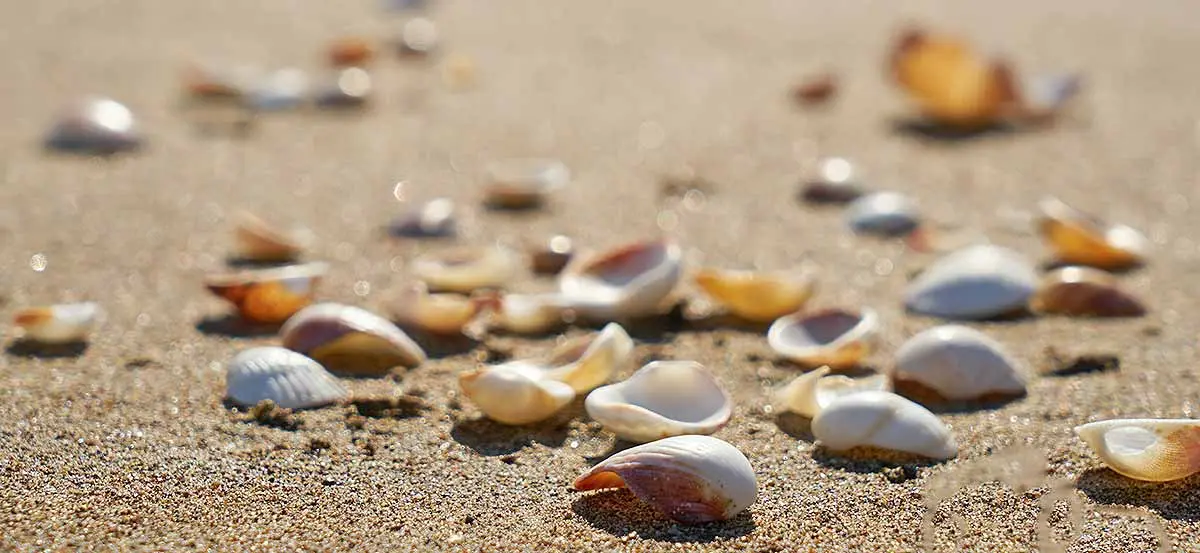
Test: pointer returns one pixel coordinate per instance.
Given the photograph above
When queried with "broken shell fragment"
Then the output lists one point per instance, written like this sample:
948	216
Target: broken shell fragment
884	420
582	363
467	269
351	51
837	182
349	340
433	219
269	296
285	377
950	82
347	88
807	394
959	363
529	313
257	240
976	282
553	257
444	314
884	214
835	337
1079	238
98	126
522	183
1155	450
515	393
633	280
692	479
1084	292
63	323
663	398
759	296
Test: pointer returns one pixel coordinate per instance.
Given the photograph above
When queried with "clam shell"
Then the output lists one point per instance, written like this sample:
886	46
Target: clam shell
758	296
883	213
285	377
436	313
834	337
837	182
884	420
208	81
1044	96
94	126
950	82
692	479
467	269
628	281
418	37
1084	292
346	88
529	313
551	258
588	361
256	240
663	398
63	323
523	182
976	282
515	393
278	90
1156	450
350	51
810	392
269	296
433	219
959	363
1079	238
350	340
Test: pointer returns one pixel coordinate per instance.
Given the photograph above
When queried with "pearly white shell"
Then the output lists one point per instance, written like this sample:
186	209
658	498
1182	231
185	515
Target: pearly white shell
94	126
529	313
628	281
1157	450
59	324
883	213
257	240
465	270
279	90
433	219
446	314
663	398
833	337
807	394
976	282
958	363
350	339
285	377
884	420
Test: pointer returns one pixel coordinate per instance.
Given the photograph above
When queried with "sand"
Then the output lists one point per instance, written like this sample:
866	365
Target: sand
127	446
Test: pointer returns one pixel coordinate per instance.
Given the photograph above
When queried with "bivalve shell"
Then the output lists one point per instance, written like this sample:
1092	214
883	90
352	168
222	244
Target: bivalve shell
952	83
58	324
976	282
759	296
807	394
97	126
467	269
529	313
269	296
257	240
835	337
959	363
285	377
432	219
663	398
1080	238
633	280
444	314
884	214
1156	450
883	420
522	183
1084	292
350	340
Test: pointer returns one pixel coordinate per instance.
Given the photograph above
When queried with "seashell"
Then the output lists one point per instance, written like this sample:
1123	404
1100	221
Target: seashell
951	83
553	257
433	219
529	313
835	337
816	89
884	420
256	240
958	363
63	323
350	340
521	183
1084	292
458	72
283	376
692	479
1079	238
418	37
837	182
466	269
214	82
807	394
350	51
663	398
883	213
349	87
269	296
279	90
628	281
435	313
759	296
1156	450
94	126
976	282
1045	96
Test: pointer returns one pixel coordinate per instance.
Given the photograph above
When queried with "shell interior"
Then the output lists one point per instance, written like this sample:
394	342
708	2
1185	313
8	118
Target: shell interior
664	398
1156	450
628	281
758	296
831	337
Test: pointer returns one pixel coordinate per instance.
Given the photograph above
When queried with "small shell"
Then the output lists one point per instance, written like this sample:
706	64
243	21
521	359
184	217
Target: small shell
628	281
1156	450
523	182
951	83
884	214
1079	238
433	219
256	240
551	258
959	363
418	37
58	324
807	394
467	269
515	393
884	420
817	89
836	182
529	313
285	377
346	88
436	313
1045	96
758	296
976	282
94	126
663	398
351	51
215	82
279	90
692	479
269	296
833	337
1084	292
350	340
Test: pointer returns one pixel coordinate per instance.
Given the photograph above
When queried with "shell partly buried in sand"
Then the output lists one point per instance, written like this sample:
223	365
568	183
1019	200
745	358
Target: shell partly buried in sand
1079	238
257	240
883	420
807	394
283	376
1156	450
837	181
838	338
883	214
350	340
976	282
1084	292
466	269
269	296
432	219
63	323
521	183
94	126
959	363
445	314
950	82
758	296
663	398
633	280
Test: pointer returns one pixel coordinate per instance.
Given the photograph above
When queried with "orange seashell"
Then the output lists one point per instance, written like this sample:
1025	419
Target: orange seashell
817	89
1080	238
1084	292
269	296
351	51
951	82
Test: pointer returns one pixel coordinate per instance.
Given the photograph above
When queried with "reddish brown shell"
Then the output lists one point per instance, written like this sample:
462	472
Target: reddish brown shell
1084	292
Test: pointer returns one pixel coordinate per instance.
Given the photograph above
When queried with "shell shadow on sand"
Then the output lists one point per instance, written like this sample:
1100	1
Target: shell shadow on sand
1176	500
867	460
929	131
797	426
619	512
232	326
440	346
490	438
31	349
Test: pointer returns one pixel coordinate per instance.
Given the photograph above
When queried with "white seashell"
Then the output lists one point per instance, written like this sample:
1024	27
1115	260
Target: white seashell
433	219
807	394
467	269
350	340
348	87
837	181
628	281
419	36
435	313
958	363
523	182
1080	238
692	479
883	213
283	376
758	296
529	313
884	420
256	240
663	398
279	90
94	126
269	295
833	337
1156	450
58	324
976	282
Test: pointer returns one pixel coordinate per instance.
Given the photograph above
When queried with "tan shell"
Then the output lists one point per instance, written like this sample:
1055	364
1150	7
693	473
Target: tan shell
950	82
269	296
521	183
758	296
1156	450
1084	292
835	337
349	340
257	240
466	269
528	313
1079	238
436	313
58	324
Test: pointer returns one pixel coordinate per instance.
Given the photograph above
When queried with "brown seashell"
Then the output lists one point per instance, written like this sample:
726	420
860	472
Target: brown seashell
1084	292
551	258
1080	238
817	89
268	296
351	51
257	240
951	83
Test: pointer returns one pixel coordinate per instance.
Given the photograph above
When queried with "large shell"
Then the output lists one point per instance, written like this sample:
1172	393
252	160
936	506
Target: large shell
1084	292
1156	450
432	219
1079	238
269	296
950	82
663	398
692	479
807	394
94	126
883	213
976	282
529	313
758	296
884	420
523	182
836	182
285	377
628	281
444	314
350	340
256	240
959	363
835	337
58	324
467	269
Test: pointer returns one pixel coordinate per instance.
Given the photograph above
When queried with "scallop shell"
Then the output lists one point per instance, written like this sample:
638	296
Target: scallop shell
433	219
884	420
94	126
837	182
1079	238
346	88
950	82
976	282
350	340
959	363
285	377
256	240
692	479
63	323
835	337
884	214
467	269
758	296
663	398
529	313
810	392
269	296
1156	450
520	183
436	313
1084	292
628	281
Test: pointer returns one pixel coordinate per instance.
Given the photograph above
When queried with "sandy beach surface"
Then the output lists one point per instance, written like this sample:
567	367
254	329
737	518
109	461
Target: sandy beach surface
128	446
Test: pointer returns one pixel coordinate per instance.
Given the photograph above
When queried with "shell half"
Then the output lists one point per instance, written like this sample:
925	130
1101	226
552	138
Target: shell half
952	83
837	182
444	314
467	269
350	340
883	214
1084	292
520	183
283	376
269	296
976	282
834	337
758	296
515	393
1079	238
94	126
628	281
432	219
959	363
884	420
663	398
256	240
529	313
63	323
1156	450
807	394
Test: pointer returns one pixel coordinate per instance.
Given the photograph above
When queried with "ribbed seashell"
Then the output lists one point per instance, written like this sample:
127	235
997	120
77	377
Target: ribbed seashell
444	314
807	394
466	269
837	182
350	340
884	214
976	282
94	126
1156	450
835	337
692	479
349	87
759	296
959	363
628	281
63	323
663	398
278	90
883	420
283	376
529	313
520	183
950	82
1084	292
269	296
1079	238
433	219
256	240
